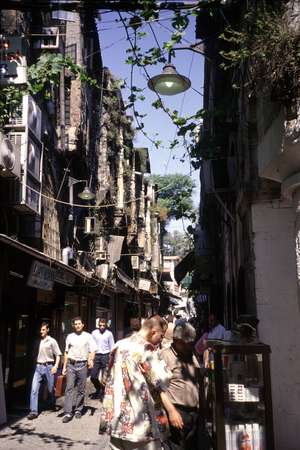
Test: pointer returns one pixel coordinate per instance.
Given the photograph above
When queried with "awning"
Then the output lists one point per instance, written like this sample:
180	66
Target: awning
186	265
122	276
201	264
54	263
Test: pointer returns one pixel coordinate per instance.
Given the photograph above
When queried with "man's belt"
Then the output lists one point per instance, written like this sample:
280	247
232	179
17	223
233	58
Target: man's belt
77	361
48	363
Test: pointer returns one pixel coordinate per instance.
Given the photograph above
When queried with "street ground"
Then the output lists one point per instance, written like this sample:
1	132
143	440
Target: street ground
48	431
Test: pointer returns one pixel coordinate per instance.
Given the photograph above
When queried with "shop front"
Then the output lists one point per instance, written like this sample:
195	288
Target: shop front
35	288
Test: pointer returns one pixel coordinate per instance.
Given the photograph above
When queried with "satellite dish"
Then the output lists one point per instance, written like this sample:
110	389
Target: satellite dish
7	152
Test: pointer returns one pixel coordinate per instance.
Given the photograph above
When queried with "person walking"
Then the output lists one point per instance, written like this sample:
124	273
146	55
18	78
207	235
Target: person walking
47	361
79	357
104	340
135	391
168	338
184	389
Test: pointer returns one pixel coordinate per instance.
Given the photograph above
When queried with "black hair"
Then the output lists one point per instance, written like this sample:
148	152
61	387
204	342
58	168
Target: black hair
77	318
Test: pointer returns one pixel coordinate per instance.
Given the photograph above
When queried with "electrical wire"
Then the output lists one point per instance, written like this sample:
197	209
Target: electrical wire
79	205
180	112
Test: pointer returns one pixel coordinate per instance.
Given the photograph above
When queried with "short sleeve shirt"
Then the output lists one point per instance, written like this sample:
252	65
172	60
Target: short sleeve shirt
78	346
185	382
131	405
48	350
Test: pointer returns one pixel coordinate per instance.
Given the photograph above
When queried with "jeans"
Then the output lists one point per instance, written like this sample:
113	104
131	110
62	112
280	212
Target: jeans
41	372
100	363
76	376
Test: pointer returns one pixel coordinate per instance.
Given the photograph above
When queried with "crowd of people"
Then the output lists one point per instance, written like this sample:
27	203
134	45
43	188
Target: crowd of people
150	384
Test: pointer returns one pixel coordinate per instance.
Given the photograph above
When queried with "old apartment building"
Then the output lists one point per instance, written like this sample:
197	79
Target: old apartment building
250	208
78	228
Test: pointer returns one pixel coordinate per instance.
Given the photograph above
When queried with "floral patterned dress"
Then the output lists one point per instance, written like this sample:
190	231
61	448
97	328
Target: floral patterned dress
131	407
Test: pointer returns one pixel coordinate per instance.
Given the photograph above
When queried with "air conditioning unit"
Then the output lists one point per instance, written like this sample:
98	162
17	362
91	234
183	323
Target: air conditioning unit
26	195
143	266
28	116
100	249
50	38
10	155
90	225
218	175
135	262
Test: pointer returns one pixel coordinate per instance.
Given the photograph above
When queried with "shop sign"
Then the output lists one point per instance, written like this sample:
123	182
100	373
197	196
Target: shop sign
144	284
41	276
64	277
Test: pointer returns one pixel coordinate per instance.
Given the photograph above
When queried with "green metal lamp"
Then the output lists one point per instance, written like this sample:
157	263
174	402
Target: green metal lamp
169	82
86	194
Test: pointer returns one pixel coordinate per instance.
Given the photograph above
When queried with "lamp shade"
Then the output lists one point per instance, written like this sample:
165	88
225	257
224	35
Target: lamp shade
169	82
86	194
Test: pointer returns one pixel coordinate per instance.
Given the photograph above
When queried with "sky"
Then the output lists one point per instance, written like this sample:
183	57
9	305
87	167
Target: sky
114	43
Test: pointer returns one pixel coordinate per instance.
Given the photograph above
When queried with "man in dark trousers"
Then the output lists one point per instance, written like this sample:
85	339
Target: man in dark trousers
185	387
79	357
47	361
104	341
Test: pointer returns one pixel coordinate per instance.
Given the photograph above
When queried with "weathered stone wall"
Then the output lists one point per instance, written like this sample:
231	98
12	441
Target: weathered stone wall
278	312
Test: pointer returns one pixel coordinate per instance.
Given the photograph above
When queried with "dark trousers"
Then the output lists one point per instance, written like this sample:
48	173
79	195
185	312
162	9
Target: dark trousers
100	363
76	376
192	435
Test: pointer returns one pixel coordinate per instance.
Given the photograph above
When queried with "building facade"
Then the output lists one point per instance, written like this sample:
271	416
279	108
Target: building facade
61	255
249	208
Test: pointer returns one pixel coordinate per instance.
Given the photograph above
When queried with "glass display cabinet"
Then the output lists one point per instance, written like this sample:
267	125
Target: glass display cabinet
239	396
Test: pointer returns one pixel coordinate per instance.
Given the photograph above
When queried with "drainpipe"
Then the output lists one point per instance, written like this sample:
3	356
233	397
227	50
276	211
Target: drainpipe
62	110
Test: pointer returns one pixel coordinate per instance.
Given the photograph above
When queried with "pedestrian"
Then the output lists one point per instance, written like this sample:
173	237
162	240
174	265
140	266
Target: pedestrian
185	386
135	391
216	330
167	340
79	357
47	362
104	340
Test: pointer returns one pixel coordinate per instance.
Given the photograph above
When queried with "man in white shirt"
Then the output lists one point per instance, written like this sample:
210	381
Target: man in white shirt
47	361
104	341
79	357
215	331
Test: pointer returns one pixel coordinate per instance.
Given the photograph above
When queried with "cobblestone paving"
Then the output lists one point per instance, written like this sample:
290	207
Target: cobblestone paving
49	433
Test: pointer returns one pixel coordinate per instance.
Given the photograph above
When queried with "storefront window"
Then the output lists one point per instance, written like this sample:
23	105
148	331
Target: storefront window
71	310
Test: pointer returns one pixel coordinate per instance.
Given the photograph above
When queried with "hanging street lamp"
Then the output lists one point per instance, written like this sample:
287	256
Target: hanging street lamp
170	82
86	194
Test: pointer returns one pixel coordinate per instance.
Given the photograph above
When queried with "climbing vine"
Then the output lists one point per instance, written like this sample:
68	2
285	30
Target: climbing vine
264	53
42	76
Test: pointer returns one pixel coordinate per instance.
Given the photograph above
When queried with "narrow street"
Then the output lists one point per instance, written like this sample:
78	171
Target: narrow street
150	224
48	431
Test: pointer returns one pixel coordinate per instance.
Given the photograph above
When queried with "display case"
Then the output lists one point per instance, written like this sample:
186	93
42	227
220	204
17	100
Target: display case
239	397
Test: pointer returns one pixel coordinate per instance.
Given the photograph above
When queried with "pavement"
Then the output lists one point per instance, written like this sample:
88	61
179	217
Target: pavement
49	433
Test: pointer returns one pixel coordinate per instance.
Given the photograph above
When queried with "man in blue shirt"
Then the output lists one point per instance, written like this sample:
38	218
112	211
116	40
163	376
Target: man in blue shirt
104	340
